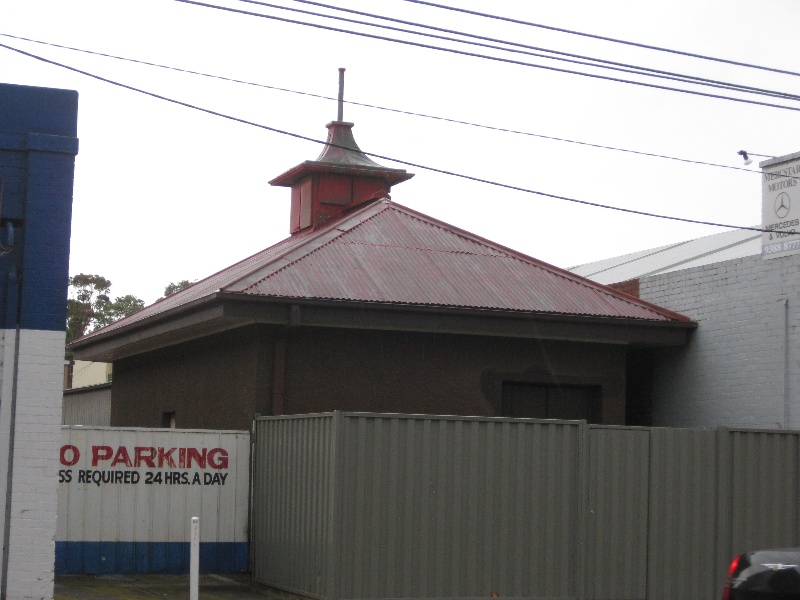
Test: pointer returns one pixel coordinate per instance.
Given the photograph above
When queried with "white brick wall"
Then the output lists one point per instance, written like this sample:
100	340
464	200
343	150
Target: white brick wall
6	382
36	438
732	371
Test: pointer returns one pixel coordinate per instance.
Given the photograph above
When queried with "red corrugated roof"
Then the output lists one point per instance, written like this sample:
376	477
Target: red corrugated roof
388	253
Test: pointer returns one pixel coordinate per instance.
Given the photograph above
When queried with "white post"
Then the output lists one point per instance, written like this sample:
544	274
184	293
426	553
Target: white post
194	560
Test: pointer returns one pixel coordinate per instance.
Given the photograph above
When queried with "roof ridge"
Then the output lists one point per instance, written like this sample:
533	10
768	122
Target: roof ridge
442	250
530	260
452	229
382	206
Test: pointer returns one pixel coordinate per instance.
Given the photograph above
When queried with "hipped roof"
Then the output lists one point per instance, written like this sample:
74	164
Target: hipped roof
385	254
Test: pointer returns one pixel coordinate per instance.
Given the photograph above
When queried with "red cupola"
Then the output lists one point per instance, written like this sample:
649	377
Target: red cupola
341	178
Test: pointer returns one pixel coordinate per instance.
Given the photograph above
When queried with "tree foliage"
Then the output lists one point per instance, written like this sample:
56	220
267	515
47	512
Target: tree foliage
90	307
87	295
176	287
122	306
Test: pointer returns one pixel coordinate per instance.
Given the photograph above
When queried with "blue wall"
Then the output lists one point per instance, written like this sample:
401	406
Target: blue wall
38	144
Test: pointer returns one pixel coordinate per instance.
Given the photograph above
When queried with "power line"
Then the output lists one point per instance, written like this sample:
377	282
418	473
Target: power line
517	48
488	57
604	38
394	110
388	158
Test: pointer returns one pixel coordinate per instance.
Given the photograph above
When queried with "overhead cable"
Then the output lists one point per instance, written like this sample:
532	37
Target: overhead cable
487	57
384	108
604	38
577	59
384	157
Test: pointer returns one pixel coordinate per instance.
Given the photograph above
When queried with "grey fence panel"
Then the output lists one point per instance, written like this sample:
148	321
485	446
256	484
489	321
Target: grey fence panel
616	520
355	506
764	480
682	514
292	494
87	406
438	507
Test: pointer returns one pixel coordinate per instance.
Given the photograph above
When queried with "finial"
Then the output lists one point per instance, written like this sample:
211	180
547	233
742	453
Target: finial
341	94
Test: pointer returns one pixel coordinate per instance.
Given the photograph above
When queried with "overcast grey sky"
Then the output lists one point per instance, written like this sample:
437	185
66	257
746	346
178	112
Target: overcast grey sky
164	193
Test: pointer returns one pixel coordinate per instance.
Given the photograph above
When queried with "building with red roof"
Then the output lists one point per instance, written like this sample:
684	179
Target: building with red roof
372	306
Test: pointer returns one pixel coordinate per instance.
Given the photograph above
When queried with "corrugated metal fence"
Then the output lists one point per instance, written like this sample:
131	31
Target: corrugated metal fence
355	506
87	406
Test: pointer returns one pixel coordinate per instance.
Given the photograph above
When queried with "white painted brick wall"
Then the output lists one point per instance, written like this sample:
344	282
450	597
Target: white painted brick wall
732	371
6	379
36	439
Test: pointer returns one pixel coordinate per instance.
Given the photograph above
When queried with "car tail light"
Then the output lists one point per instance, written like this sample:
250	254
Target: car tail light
726	591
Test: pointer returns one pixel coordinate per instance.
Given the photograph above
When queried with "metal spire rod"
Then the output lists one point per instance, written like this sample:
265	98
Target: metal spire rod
341	95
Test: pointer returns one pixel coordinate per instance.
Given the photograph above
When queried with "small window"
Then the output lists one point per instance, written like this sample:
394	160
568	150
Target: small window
168	420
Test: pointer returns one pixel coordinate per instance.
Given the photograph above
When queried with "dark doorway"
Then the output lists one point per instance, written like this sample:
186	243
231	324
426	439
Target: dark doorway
168	420
542	401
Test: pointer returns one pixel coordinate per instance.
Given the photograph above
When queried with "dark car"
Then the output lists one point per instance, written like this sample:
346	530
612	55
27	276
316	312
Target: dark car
765	575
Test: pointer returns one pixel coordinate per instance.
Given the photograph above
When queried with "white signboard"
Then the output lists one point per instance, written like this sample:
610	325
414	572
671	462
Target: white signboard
126	498
780	192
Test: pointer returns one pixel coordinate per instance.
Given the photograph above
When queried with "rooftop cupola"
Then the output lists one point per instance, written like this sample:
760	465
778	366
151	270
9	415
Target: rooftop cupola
340	179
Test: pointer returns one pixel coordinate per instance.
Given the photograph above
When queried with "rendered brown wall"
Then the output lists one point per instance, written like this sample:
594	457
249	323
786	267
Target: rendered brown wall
382	371
221	381
217	382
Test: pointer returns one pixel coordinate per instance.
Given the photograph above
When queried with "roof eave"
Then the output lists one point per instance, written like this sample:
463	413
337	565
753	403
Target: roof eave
223	311
290	177
103	345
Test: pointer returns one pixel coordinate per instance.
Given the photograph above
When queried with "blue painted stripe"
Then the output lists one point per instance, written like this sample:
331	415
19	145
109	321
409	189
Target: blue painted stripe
96	558
38	142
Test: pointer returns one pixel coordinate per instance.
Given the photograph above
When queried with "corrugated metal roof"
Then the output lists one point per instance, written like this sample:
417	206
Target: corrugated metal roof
214	283
388	253
395	255
707	250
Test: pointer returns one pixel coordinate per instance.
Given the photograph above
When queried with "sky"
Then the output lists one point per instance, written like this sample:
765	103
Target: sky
164	192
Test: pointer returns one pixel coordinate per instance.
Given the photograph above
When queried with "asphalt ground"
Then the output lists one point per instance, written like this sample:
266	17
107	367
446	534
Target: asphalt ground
172	587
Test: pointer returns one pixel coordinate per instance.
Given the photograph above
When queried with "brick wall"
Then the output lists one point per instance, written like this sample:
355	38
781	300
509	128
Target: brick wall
741	366
36	442
630	287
